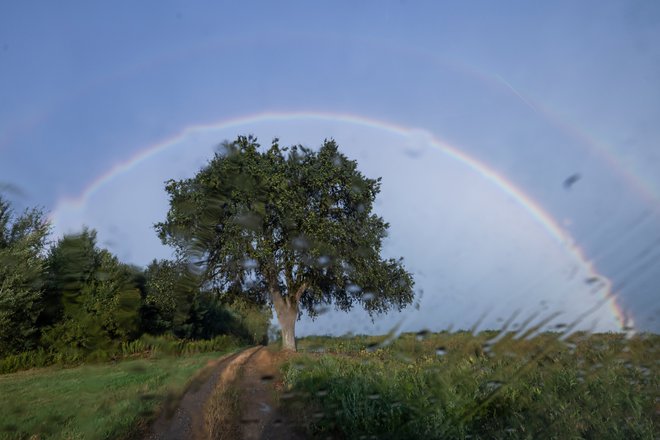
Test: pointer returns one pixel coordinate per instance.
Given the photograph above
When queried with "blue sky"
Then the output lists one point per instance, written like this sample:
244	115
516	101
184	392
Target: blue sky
536	92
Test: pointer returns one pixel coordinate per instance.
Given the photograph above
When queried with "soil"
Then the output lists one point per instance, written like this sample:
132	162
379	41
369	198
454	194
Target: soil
255	375
261	415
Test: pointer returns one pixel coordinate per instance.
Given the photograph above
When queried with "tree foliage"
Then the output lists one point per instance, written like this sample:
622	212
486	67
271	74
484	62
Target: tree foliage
94	299
169	297
291	227
22	242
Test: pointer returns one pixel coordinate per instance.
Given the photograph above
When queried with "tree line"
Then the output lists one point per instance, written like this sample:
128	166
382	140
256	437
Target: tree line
71	295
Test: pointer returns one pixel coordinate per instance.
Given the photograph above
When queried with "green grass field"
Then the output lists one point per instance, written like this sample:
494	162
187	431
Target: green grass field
93	401
459	386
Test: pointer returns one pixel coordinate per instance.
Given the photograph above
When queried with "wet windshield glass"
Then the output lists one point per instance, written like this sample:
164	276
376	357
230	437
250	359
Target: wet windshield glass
452	211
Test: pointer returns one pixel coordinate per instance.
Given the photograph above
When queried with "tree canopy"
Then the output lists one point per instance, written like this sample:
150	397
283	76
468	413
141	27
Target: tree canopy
291	227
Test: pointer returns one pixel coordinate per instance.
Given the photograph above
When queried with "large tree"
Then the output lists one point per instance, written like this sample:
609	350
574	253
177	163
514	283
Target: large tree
291	227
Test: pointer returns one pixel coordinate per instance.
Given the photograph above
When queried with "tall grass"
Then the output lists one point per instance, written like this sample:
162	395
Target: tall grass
460	386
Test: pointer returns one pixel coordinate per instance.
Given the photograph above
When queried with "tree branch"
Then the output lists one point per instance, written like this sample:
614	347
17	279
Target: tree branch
300	291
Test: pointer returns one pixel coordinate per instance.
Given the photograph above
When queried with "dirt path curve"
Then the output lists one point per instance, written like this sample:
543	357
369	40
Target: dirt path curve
187	420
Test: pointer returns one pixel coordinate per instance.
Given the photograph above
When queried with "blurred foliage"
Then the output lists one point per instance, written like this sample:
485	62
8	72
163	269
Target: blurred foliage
94	300
289	227
492	385
74	302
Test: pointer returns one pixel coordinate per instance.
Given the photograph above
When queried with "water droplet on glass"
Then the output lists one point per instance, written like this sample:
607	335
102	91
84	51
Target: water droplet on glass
422	334
320	309
368	296
353	288
250	263
493	385
249	220
300	243
372	347
440	351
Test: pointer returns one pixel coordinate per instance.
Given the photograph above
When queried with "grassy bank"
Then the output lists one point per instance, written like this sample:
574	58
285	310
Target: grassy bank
146	346
478	387
93	401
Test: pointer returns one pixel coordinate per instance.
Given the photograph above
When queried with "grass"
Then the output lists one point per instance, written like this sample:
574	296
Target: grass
93	401
489	386
146	346
222	413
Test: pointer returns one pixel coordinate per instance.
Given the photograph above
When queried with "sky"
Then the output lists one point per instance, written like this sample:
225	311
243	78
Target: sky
518	143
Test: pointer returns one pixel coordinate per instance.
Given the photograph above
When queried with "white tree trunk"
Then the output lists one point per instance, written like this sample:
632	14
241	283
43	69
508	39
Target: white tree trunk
286	309
287	316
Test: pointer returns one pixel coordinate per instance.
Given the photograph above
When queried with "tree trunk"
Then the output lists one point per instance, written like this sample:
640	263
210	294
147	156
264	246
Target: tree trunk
287	316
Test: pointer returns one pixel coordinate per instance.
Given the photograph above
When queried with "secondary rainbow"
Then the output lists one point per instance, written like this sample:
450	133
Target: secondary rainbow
535	210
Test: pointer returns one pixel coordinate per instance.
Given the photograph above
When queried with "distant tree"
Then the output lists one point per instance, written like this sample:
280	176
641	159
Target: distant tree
170	291
176	303
22	243
289	227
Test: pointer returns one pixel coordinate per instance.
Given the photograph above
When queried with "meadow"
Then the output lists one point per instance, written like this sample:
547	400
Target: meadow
108	400
486	386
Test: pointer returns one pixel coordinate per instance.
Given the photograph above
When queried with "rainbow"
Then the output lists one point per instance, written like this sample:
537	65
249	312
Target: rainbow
535	210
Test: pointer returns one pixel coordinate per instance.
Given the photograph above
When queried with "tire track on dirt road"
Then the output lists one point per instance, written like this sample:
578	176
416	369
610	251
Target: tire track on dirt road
187	421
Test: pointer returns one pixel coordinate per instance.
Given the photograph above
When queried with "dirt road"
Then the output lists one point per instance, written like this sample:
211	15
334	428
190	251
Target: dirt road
234	398
261	417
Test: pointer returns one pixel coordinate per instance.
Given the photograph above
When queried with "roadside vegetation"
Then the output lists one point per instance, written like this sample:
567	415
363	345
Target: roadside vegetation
70	302
111	400
460	386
